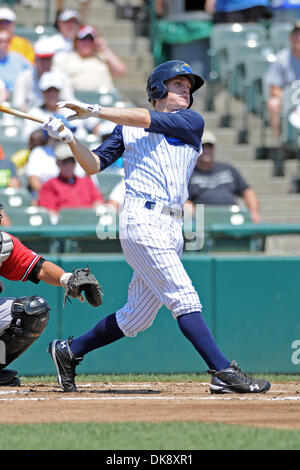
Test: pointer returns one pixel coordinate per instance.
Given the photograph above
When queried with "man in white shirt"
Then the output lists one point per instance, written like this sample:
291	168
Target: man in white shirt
27	93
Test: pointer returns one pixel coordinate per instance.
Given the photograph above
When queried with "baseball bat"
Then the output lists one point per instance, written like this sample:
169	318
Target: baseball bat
16	112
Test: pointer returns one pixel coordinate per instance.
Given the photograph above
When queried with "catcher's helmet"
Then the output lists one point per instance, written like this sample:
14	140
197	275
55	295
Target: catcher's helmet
156	88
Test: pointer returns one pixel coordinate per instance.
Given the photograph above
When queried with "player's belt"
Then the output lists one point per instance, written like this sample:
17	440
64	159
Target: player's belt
176	213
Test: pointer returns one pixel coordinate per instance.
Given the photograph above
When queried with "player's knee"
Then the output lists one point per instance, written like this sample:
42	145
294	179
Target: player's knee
30	316
131	330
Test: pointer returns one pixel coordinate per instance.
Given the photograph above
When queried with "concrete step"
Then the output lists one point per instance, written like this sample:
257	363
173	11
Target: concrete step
288	218
256	170
34	12
116	29
132	78
268	188
128	46
136	95
283	245
142	62
287	204
233	153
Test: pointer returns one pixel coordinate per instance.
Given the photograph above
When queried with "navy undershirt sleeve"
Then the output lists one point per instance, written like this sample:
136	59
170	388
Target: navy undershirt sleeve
185	124
111	149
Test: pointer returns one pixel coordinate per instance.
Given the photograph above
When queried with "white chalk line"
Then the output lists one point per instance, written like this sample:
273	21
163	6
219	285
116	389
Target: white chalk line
171	398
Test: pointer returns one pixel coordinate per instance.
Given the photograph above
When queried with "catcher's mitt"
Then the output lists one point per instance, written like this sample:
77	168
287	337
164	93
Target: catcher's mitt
82	280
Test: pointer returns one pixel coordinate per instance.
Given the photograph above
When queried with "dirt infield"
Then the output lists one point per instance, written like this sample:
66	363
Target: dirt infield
156	402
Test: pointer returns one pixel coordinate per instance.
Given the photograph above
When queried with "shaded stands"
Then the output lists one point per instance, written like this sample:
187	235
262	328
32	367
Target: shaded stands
219	229
240	57
289	138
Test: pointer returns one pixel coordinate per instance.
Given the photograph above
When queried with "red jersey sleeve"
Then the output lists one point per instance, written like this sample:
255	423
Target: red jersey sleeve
19	263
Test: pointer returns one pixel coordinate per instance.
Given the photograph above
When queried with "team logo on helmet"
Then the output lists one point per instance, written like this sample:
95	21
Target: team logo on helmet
187	68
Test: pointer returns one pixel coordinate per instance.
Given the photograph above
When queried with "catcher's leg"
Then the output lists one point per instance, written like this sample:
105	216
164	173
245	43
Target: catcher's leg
29	318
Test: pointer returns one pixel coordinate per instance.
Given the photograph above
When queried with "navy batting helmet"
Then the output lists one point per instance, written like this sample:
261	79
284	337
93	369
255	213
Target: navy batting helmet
156	88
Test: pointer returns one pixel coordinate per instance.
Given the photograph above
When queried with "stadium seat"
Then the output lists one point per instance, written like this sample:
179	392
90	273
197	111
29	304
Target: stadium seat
233	216
103	97
253	93
279	34
227	214
224	36
28	216
289	137
78	217
15	198
103	238
33	217
34	33
239	60
11	145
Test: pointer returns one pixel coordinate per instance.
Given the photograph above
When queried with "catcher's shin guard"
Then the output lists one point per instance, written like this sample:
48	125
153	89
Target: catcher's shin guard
8	378
30	318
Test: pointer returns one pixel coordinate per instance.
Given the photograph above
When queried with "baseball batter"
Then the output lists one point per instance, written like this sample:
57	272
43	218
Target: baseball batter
159	150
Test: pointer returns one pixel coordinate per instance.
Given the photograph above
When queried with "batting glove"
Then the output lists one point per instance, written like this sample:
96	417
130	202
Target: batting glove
57	130
81	110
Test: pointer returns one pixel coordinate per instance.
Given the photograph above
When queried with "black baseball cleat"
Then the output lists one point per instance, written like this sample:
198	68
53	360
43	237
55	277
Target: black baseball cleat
8	378
65	363
234	380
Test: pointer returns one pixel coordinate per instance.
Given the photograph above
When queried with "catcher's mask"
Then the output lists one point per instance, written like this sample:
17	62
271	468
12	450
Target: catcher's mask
156	88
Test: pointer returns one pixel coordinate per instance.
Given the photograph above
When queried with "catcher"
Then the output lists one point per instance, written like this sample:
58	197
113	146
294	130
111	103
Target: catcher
23	319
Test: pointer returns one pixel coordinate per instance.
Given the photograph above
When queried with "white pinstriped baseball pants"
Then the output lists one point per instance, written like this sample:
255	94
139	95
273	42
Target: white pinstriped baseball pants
152	244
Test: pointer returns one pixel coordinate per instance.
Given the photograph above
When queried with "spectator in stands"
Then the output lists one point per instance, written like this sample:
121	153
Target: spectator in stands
8	172
68	190
238	11
51	85
41	166
37	138
3	91
92	64
17	43
11	64
27	92
84	6
285	11
218	183
68	24
282	73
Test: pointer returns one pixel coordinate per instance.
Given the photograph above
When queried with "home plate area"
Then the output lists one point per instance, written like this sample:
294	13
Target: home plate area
153	402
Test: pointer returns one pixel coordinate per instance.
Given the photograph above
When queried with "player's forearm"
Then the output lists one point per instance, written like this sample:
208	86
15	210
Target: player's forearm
86	159
136	117
50	273
252	203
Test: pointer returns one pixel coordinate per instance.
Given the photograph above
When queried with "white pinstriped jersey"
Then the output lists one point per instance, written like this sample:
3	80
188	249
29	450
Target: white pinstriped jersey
158	163
154	169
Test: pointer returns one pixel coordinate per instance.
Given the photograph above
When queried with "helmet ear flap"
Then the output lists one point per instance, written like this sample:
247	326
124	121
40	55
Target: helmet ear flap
157	90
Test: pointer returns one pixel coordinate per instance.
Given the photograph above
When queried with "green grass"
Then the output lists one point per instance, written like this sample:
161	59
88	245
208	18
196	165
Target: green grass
145	436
